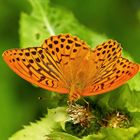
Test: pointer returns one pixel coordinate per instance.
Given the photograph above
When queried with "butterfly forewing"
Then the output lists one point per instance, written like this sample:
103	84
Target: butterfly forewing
33	65
52	66
111	69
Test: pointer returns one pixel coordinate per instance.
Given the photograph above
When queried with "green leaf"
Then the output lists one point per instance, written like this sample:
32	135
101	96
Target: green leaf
122	98
62	136
46	20
119	133
125	99
40	130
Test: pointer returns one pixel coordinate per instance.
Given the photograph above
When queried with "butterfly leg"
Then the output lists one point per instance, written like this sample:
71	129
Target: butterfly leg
87	103
73	95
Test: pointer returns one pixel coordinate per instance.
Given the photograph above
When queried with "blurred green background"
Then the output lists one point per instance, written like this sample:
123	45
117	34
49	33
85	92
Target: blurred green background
19	104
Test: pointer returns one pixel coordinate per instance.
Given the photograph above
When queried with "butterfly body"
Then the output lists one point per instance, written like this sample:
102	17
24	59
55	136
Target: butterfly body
66	64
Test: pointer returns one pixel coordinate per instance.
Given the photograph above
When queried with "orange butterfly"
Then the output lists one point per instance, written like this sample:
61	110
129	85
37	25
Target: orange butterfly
66	64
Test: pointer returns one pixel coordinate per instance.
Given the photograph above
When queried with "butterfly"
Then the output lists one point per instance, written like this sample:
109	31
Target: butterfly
67	65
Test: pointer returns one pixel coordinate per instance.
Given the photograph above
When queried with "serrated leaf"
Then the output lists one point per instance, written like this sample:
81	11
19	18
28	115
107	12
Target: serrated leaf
122	98
125	99
41	129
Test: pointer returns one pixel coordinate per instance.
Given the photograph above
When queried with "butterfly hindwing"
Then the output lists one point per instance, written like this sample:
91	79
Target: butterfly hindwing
69	51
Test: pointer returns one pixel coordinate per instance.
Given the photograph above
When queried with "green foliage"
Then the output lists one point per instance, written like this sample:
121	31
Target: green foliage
40	130
52	127
46	20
